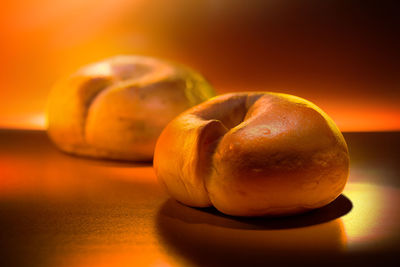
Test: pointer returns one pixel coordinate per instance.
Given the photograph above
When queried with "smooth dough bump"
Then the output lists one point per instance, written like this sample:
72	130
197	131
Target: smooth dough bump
117	108
253	154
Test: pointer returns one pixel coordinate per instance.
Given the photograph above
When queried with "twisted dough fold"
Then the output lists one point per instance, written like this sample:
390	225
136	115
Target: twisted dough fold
253	154
117	108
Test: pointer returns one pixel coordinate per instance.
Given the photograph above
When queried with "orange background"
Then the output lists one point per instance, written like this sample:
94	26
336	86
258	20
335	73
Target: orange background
342	55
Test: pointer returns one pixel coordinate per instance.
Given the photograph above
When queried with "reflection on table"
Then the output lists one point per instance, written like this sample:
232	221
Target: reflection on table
58	210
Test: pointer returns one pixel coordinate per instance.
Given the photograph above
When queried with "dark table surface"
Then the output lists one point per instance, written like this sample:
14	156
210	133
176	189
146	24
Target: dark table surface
59	210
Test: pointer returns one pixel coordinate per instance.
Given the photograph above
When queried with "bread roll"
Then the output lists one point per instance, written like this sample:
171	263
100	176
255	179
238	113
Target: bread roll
253	154
117	108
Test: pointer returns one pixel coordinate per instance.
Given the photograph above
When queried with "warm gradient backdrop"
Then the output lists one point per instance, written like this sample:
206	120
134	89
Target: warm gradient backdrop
342	55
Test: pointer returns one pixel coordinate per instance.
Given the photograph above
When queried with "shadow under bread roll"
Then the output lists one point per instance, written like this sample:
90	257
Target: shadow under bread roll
206	237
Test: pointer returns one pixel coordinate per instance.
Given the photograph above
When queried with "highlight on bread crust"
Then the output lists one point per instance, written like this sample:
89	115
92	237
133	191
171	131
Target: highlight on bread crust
253	154
117	108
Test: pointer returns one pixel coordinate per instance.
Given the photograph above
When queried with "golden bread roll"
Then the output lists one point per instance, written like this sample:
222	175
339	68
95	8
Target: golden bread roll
253	154
117	108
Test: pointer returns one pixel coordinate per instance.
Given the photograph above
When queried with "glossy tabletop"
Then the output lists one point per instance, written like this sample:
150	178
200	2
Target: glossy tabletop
60	210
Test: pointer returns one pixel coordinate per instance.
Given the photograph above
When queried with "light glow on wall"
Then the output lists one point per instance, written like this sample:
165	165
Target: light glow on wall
349	71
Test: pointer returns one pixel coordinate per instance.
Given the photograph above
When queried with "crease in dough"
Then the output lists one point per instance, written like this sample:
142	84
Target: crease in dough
272	154
95	111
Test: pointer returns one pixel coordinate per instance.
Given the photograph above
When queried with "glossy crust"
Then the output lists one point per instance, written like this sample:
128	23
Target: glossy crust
118	107
253	154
